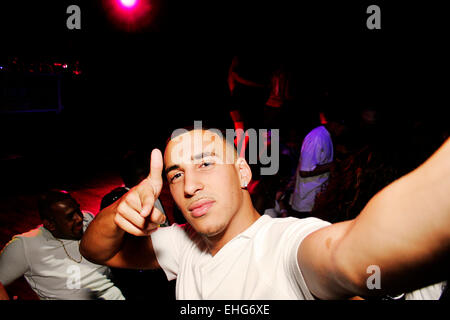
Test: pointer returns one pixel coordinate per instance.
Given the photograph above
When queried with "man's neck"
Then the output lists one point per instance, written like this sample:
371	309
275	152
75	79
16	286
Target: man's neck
58	236
239	223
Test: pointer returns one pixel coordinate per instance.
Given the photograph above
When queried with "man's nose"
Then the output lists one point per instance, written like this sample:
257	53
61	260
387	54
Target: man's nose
191	184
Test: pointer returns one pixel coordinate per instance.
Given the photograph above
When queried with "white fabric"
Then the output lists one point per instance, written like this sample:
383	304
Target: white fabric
432	292
317	149
41	259
260	263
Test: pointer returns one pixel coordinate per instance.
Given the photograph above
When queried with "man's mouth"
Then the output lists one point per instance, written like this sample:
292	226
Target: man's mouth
200	207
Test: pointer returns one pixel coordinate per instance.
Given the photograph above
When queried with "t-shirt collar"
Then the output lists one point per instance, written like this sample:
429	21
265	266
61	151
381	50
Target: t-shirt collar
251	231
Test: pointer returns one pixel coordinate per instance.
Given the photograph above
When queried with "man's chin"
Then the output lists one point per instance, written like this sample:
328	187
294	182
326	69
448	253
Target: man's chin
210	231
206	225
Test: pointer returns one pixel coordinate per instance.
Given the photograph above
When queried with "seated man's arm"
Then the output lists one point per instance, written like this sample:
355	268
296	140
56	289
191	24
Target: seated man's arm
404	231
13	264
119	236
320	169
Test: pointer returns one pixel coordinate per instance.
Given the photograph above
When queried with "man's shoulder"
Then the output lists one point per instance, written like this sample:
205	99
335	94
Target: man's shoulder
26	239
319	131
278	239
289	221
284	226
181	236
185	231
31	234
177	229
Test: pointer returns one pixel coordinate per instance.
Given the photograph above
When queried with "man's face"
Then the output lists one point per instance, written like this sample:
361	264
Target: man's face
67	222
204	180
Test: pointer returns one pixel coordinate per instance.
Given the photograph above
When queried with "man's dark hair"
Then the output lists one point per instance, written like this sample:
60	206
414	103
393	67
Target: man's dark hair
47	199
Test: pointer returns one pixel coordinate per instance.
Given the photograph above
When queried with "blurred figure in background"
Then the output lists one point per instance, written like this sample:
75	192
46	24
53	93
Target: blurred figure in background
249	85
134	168
315	163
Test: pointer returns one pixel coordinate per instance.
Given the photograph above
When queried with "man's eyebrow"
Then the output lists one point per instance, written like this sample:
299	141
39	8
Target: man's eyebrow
174	167
203	155
196	157
73	211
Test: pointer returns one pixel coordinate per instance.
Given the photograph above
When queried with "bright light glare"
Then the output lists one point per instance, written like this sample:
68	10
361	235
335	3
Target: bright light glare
128	3
129	15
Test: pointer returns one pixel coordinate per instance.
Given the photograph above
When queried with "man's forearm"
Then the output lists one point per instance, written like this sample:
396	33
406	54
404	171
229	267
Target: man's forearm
103	238
320	169
105	243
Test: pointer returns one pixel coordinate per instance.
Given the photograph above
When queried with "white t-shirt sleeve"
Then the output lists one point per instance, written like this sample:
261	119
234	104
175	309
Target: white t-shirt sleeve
13	262
432	292
316	150
87	217
310	155
294	237
167	243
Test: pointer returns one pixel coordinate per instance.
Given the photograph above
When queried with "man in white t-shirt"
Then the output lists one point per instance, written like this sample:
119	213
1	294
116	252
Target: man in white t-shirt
49	257
316	153
314	165
228	251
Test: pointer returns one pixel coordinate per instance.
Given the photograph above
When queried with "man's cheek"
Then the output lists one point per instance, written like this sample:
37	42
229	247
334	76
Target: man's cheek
178	199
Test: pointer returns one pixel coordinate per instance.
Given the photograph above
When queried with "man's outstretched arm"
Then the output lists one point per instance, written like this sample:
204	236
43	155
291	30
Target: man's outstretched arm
119	234
404	232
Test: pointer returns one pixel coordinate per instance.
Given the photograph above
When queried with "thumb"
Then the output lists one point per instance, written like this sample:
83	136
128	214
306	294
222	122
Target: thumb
155	181
156	168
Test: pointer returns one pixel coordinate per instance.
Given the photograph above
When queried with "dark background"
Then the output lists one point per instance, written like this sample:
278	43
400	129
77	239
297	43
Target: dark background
136	86
175	67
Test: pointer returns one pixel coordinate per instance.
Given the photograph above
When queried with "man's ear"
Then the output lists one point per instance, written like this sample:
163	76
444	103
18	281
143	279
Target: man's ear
245	173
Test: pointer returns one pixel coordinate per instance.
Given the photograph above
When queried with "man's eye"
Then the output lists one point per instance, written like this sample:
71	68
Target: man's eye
175	176
206	164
